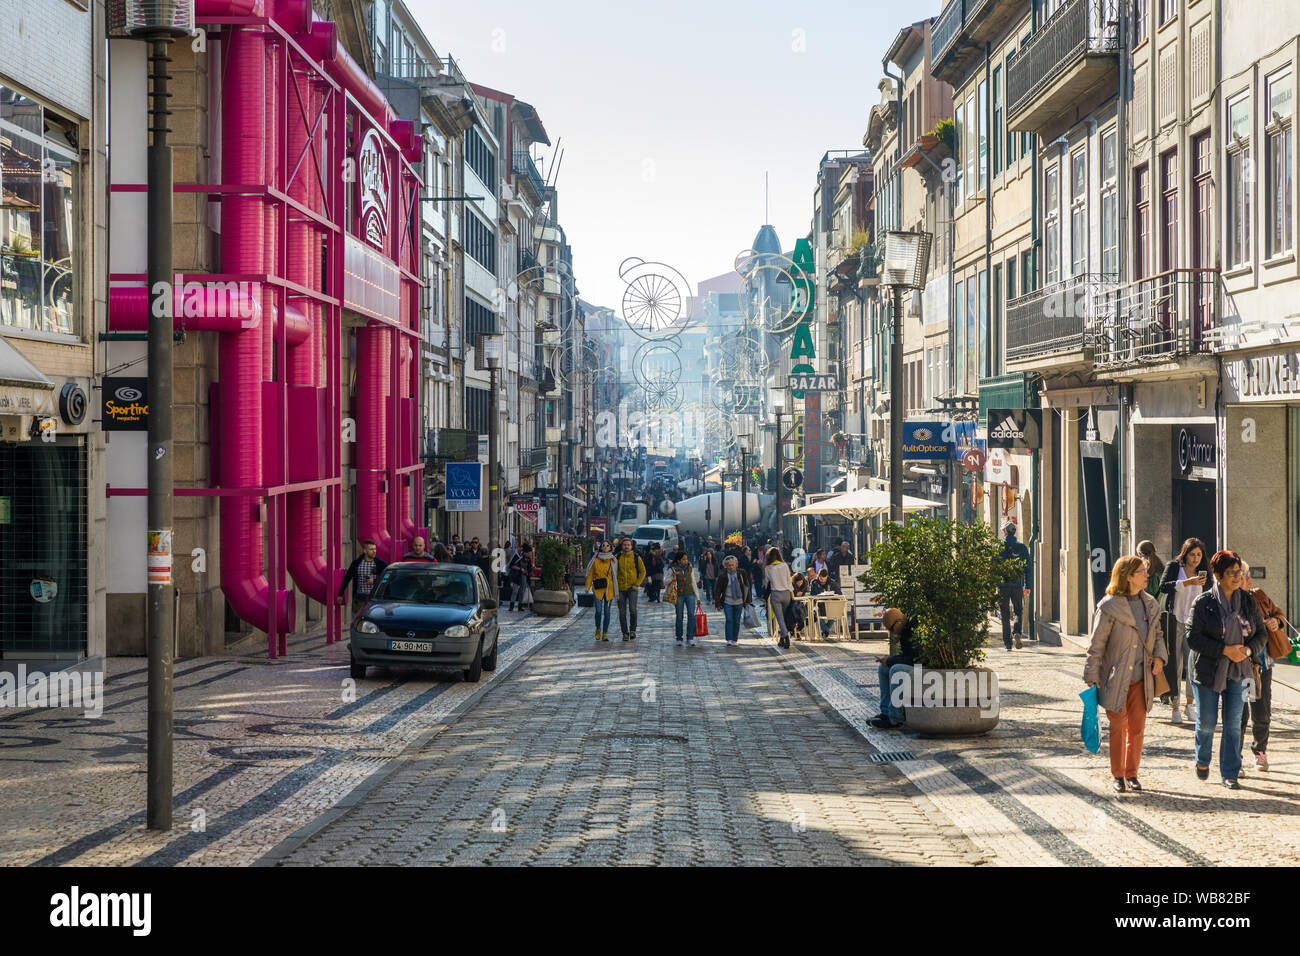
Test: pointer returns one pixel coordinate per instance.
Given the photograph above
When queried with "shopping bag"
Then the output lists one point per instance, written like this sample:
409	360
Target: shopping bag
701	624
1090	729
749	617
670	596
1162	683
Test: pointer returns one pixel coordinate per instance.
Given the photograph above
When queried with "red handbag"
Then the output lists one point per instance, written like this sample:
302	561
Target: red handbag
701	624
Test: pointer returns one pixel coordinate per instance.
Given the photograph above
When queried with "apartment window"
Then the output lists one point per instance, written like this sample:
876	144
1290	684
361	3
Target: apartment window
1027	273
997	120
1141	222
1078	212
478	318
1011	278
959	124
1052	225
972	146
1139	21
1109	205
1239	179
995	331
478	241
1169	210
984	355
480	158
1202	192
983	97
1277	160
478	409
959	325
39	179
973	316
1168	10
1012	139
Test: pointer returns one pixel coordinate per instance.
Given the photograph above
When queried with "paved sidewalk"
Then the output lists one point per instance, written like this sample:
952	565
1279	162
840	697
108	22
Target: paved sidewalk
261	748
1029	793
642	753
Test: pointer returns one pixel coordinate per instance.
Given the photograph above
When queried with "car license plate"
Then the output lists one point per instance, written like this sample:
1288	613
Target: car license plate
422	647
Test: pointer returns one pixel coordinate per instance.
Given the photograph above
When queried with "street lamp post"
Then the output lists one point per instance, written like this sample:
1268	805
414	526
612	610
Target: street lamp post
488	353
778	406
907	256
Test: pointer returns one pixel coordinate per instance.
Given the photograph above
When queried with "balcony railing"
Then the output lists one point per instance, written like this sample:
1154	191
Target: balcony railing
1054	320
1155	319
532	460
1077	29
944	32
524	166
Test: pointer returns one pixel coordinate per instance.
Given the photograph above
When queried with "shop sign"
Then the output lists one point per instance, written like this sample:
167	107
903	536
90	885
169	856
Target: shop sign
373	170
464	486
998	470
973	460
1196	450
125	405
1018	428
812	383
928	441
1267	377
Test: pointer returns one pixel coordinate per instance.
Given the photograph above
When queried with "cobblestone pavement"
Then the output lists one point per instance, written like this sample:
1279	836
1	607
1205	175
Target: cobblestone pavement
642	753
261	749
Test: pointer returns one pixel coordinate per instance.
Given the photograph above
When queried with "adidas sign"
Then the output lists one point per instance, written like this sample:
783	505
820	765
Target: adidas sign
1007	430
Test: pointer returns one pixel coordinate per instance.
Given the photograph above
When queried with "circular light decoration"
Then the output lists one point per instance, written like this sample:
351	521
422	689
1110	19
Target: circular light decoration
769	298
655	299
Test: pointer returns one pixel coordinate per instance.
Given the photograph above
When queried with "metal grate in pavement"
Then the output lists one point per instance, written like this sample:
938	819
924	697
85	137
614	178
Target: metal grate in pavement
892	756
641	738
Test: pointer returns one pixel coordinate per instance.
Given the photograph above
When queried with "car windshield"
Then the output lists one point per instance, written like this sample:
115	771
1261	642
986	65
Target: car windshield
426	586
628	513
652	534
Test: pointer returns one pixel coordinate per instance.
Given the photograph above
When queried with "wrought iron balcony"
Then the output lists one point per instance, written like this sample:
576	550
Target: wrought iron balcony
1155	319
524	167
958	37
532	460
944	32
1052	322
1072	59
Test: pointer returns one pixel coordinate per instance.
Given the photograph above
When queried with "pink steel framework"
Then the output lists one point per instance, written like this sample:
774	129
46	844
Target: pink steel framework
293	104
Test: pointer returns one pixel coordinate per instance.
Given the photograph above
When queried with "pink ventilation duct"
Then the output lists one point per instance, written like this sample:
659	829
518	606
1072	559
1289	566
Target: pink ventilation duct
374	364
307	564
248	91
207	309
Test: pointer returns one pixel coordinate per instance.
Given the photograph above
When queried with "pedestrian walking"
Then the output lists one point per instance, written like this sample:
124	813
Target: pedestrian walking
631	574
1226	630
687	597
1155	571
708	568
1125	653
1182	582
520	572
602	583
418	552
1259	712
1012	593
655	571
776	579
732	591
363	574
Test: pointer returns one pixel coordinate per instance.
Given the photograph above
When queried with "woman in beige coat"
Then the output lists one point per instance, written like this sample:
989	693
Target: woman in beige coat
1126	652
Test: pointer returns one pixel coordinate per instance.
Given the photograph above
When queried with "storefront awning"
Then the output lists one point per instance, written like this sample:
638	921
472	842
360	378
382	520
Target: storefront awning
24	390
577	501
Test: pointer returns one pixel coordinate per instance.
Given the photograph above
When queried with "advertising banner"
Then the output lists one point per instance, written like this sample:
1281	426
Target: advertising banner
464	486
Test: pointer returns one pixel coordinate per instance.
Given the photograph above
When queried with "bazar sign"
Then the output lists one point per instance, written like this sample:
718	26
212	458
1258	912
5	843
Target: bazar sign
1267	377
928	441
812	383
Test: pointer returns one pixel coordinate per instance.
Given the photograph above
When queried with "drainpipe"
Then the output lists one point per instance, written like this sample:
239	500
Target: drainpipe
896	323
988	204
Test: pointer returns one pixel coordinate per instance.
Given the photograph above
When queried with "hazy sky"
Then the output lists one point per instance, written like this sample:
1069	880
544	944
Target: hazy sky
670	113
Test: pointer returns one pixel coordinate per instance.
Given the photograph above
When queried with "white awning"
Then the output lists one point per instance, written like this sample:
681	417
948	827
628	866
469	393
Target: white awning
863	503
24	390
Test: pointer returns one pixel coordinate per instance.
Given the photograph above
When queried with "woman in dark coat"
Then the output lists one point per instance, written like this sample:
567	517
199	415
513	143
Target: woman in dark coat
1183	580
1226	631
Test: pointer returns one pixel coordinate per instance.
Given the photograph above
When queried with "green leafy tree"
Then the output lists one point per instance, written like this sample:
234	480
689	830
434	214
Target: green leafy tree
553	556
945	576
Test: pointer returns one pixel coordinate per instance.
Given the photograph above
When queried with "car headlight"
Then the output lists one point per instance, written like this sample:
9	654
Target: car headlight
456	630
367	627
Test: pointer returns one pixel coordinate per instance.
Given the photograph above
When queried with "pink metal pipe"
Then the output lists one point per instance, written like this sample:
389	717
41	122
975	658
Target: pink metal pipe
243	127
200	311
373	369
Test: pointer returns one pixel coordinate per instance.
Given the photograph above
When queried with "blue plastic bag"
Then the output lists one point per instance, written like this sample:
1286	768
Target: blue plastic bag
1089	729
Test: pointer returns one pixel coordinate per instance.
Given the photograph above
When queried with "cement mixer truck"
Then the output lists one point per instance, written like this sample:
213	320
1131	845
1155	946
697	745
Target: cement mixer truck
691	513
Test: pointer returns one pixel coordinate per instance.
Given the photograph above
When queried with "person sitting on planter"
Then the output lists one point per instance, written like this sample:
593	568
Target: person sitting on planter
900	626
1126	651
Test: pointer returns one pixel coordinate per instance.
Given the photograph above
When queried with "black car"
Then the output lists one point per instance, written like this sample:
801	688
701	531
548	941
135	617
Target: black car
428	615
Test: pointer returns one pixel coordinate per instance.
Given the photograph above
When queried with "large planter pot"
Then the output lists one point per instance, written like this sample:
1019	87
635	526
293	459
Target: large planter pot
961	702
552	603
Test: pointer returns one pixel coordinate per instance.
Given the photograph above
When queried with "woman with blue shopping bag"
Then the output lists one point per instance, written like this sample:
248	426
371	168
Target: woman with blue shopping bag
1126	652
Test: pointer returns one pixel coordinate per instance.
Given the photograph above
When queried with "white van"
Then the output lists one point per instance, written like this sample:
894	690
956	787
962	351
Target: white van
664	535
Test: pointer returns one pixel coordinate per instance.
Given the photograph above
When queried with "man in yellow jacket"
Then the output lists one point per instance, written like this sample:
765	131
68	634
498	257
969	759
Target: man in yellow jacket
631	573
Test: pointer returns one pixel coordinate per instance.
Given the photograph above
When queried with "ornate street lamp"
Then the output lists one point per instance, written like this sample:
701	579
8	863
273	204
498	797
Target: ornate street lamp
907	256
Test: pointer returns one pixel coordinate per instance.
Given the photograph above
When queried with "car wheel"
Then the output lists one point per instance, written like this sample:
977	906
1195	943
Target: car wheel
475	669
358	671
490	662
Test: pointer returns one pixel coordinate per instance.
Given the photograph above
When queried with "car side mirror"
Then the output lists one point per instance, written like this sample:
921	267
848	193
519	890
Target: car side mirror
487	604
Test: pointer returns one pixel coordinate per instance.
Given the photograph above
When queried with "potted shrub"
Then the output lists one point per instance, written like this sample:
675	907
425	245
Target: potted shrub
553	599
945	577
